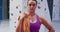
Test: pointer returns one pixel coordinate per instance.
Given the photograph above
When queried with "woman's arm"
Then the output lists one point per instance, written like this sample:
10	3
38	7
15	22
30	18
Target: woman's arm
20	19
19	26
18	29
47	25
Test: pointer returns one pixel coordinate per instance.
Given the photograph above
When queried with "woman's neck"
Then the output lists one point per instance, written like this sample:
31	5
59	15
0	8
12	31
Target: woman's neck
32	14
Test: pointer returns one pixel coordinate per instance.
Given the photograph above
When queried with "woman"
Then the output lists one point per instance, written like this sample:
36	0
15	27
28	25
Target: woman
31	22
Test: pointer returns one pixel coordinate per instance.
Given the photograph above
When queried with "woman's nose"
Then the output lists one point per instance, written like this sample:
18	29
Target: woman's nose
31	6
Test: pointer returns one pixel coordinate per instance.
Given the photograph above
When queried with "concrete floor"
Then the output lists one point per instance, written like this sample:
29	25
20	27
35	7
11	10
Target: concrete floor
4	26
56	25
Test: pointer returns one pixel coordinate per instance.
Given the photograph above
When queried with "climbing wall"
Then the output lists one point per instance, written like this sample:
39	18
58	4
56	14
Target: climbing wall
15	12
56	10
17	7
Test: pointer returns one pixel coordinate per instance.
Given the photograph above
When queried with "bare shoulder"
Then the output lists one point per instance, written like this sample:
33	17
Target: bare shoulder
42	19
22	15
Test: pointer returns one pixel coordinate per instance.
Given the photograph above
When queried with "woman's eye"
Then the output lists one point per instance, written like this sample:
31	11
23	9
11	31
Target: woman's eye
29	4
33	4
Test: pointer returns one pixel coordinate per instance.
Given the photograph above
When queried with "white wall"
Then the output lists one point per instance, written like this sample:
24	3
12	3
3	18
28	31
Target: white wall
15	7
14	12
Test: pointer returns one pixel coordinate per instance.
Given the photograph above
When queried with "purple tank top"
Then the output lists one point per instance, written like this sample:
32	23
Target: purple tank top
34	27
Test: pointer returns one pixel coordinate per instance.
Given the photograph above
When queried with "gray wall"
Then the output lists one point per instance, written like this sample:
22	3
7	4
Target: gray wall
4	10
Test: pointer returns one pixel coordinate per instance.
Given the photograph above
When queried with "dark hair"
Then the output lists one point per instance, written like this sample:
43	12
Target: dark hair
33	0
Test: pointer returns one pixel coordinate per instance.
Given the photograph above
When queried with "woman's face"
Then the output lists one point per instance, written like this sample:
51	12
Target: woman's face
32	5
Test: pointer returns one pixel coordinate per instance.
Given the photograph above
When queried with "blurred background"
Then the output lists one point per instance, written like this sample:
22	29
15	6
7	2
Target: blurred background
4	15
54	9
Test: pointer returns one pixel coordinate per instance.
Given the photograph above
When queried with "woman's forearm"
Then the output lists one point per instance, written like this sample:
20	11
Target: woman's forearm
17	30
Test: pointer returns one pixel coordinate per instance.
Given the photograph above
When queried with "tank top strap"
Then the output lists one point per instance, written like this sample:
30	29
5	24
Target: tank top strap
38	19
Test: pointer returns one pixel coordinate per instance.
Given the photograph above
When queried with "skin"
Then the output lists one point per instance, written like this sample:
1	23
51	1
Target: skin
31	12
